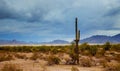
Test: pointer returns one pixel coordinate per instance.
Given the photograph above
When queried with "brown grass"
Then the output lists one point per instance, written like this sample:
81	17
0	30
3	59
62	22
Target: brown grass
10	67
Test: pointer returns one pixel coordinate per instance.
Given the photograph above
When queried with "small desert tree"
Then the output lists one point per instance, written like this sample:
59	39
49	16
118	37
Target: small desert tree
107	46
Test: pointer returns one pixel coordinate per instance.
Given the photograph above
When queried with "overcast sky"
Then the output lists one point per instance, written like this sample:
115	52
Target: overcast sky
46	20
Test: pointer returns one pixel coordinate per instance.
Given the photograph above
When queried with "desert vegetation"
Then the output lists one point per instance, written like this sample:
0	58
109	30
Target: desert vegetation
106	57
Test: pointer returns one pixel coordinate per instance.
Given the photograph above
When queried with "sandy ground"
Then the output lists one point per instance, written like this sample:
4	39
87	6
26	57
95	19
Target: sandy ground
40	65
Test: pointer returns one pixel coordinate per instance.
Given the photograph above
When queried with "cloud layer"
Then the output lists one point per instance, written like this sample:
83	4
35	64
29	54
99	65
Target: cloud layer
44	20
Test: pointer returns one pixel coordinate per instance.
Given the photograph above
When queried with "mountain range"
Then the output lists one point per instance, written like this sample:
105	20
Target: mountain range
97	39
102	39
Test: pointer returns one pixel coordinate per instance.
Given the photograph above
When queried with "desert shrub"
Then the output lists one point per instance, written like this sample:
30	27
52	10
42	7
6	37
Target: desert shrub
93	50
84	47
85	62
20	56
10	67
107	46
116	47
5	57
100	53
103	63
35	56
74	69
112	67
53	60
54	50
44	48
74	57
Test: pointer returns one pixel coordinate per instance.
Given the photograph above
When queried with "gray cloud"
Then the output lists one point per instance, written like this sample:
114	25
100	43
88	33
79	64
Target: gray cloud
5	10
56	17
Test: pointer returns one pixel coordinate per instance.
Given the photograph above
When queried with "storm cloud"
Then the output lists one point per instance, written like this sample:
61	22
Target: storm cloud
54	19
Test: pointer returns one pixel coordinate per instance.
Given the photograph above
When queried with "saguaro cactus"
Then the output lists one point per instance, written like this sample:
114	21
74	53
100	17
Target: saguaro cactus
77	39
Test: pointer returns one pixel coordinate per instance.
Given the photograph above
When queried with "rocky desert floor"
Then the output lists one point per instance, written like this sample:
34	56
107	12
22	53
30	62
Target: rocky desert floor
60	58
23	61
29	65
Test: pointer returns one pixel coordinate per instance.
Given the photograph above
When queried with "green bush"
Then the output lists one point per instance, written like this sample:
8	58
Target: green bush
107	46
84	46
93	50
115	47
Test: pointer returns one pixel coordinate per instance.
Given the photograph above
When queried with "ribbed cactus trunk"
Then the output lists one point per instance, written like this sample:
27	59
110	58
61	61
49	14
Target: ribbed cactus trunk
77	39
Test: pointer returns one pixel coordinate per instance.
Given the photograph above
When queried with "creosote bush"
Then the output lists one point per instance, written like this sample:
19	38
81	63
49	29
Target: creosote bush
35	56
93	50
85	62
20	56
53	60
107	46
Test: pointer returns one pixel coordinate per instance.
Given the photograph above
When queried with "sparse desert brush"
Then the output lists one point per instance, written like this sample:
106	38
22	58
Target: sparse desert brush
103	63
84	46
100	53
5	57
87	49
10	67
93	50
20	56
74	68
86	52
112	67
107	46
54	50
117	57
35	56
73	57
53	60
86	62
116	47
44	48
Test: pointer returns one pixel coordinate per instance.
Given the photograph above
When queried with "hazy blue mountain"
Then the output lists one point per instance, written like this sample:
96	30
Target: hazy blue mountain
102	39
93	39
56	42
12	42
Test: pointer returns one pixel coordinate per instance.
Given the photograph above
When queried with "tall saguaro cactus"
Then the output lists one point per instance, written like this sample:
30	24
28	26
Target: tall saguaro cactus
77	39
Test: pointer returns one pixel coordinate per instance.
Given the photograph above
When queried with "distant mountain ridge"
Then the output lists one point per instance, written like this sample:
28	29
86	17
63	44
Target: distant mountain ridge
93	39
11	42
102	39
56	42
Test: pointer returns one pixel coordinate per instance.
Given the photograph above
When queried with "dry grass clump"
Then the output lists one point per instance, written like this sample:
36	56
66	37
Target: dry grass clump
74	68
100	53
53	60
85	62
39	55
103	63
6	57
112	67
117	57
35	56
20	56
10	67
